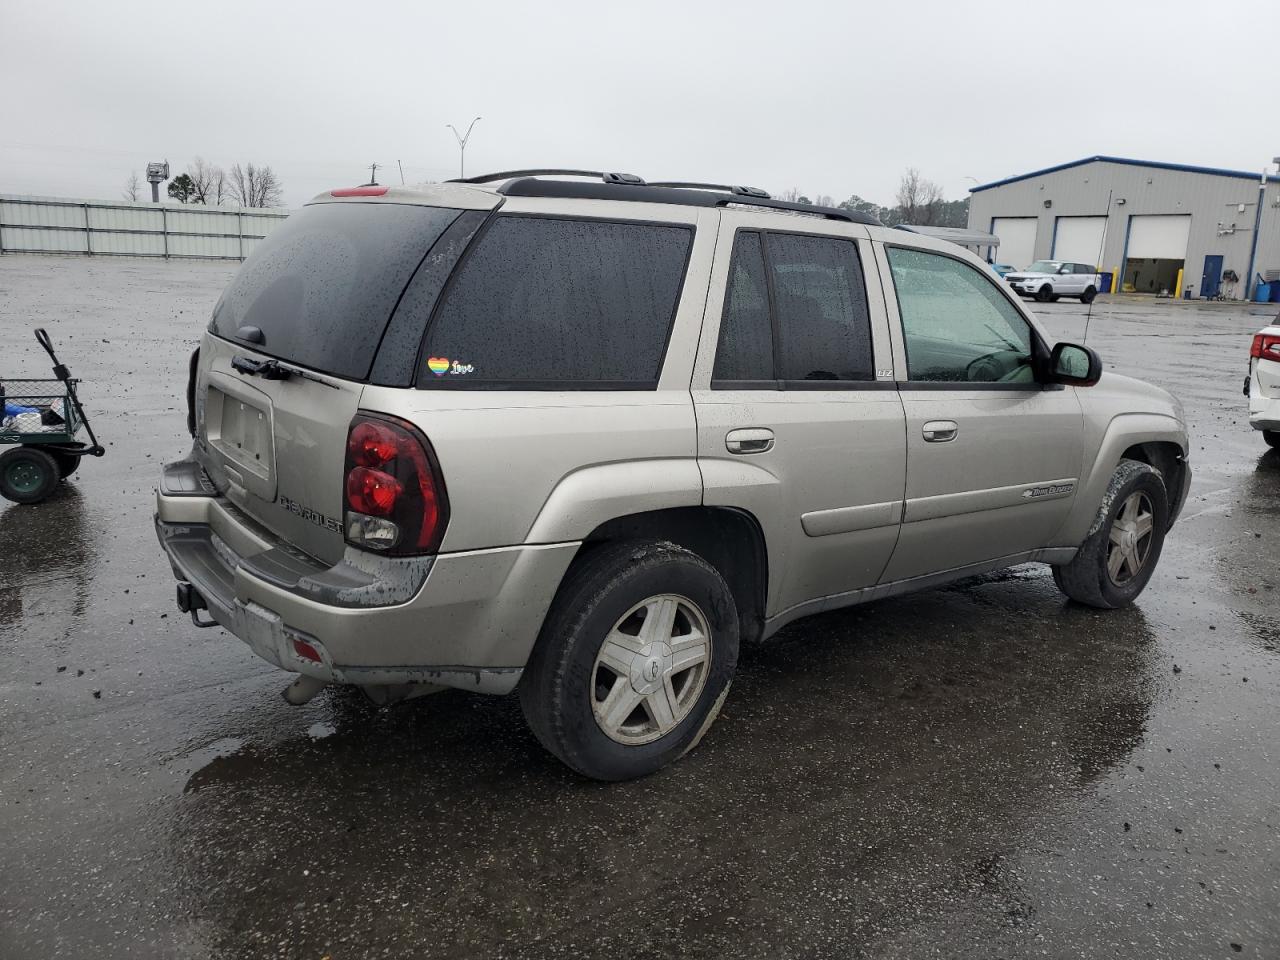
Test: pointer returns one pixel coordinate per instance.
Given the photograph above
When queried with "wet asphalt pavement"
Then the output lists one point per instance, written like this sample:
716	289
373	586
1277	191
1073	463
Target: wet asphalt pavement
977	771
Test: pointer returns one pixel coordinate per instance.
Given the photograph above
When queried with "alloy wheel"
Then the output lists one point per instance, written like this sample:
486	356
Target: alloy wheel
1130	538
651	669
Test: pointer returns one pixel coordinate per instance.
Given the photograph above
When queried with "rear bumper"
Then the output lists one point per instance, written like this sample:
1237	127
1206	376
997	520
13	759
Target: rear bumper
465	620
1264	396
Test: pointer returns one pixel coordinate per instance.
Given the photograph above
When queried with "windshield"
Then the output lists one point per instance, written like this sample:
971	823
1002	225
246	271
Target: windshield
322	285
1045	266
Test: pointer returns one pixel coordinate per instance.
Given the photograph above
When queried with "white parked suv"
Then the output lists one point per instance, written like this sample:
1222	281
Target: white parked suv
1050	279
580	438
1262	386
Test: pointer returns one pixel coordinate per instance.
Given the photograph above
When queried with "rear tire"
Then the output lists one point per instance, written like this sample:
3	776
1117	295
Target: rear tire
1118	557
1272	437
67	463
607	689
1088	295
27	475
1044	294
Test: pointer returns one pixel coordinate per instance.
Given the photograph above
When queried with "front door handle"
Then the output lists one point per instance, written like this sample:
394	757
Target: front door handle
745	441
940	431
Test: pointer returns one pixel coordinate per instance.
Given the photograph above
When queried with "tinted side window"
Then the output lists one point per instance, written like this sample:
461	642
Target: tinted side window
824	330
396	362
745	349
322	285
957	325
559	301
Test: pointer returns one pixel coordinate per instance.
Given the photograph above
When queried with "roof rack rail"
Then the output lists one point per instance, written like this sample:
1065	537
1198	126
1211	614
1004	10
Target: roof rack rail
739	190
620	186
626	179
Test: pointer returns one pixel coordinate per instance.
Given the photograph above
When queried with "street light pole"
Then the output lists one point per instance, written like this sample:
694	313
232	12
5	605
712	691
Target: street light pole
462	146
1257	225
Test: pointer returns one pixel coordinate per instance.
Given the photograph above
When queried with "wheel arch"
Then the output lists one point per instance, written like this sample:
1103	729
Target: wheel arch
1166	457
1152	438
730	539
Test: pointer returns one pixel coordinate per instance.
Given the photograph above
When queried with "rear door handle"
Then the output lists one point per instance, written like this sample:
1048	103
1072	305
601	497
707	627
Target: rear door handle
940	431
751	440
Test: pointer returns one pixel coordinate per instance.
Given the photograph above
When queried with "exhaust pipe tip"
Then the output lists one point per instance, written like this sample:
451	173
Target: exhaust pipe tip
303	690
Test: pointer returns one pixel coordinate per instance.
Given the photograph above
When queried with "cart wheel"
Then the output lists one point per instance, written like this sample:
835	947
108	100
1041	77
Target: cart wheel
27	475
67	463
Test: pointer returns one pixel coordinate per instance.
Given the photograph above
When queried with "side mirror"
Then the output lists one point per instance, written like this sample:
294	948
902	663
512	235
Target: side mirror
1074	365
1064	269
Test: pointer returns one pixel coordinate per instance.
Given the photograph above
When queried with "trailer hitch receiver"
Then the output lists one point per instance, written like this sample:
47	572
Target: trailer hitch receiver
190	601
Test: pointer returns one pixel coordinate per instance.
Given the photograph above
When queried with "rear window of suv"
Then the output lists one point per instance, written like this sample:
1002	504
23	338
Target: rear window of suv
540	302
322	285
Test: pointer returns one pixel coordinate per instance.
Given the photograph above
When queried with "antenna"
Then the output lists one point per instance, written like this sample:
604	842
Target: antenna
373	175
401	166
1102	242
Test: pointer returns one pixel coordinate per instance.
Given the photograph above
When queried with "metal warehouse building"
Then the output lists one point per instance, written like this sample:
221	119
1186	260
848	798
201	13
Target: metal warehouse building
1157	228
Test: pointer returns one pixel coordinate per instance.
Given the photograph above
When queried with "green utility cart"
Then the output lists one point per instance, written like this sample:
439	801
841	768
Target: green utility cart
41	419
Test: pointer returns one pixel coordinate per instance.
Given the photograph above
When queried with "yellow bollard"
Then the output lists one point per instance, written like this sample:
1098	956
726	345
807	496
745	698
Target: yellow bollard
1177	287
1115	280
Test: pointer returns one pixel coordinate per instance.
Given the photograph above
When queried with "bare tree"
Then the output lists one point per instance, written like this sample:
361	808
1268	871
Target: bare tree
856	204
132	187
209	183
919	200
824	200
252	186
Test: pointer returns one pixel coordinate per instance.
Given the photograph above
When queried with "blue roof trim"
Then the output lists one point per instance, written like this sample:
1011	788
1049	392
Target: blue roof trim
1185	168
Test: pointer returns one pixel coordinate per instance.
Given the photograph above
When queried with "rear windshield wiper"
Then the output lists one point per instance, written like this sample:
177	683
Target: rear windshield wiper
273	370
267	369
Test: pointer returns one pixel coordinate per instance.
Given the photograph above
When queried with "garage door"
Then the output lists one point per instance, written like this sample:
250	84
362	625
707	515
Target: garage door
1017	240
1079	239
1159	238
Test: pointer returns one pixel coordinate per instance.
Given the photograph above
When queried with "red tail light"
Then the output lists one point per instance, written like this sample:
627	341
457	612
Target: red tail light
1266	346
374	492
394	492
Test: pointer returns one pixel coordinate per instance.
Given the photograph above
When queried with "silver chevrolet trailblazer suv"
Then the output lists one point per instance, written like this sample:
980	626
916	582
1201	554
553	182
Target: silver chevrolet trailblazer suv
580	436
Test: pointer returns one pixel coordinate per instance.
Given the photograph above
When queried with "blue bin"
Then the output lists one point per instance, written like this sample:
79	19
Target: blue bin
1275	291
1104	283
1262	293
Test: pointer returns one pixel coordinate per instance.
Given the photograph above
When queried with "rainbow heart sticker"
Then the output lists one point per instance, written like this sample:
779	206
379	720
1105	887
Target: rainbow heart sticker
438	365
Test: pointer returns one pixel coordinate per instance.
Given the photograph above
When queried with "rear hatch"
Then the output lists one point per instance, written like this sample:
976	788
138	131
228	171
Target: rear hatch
290	347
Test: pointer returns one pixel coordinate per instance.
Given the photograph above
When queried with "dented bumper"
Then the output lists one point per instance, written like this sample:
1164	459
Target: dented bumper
465	620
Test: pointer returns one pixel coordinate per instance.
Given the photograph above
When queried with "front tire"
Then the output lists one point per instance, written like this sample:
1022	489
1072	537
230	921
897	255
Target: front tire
1118	557
27	475
1044	294
633	661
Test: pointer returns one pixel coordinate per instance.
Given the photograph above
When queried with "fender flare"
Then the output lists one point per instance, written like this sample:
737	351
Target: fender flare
1125	430
590	496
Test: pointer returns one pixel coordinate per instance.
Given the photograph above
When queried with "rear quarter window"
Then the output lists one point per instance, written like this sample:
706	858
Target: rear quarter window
322	285
542	302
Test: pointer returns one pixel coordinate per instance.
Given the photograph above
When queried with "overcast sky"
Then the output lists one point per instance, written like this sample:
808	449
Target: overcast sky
832	98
